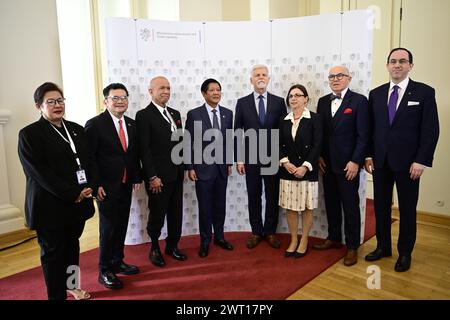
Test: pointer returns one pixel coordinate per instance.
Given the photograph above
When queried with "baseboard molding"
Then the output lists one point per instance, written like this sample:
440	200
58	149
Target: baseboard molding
427	218
12	238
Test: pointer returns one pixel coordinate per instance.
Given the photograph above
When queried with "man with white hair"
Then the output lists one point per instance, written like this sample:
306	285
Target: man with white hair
346	133
260	110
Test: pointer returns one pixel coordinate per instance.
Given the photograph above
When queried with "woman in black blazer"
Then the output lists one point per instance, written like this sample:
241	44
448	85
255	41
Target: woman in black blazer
300	141
58	200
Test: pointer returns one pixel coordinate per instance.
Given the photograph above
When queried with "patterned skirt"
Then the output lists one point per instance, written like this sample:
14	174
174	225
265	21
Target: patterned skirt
298	195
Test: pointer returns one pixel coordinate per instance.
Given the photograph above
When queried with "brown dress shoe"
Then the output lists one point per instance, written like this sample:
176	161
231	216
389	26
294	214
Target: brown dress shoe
253	241
273	241
327	244
351	257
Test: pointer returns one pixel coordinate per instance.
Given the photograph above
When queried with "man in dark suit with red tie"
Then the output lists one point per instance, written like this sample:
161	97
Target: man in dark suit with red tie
260	110
346	132
405	132
163	177
210	175
112	141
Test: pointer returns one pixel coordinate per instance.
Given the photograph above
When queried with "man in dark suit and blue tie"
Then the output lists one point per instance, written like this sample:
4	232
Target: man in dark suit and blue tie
346	132
163	177
260	110
113	143
405	132
210	177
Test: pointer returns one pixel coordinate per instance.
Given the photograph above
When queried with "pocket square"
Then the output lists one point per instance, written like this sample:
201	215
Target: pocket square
413	103
348	110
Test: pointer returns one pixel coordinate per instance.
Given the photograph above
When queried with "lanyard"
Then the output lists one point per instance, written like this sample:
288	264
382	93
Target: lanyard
70	142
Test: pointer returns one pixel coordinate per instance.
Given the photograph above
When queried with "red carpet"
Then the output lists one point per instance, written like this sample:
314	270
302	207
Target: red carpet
262	273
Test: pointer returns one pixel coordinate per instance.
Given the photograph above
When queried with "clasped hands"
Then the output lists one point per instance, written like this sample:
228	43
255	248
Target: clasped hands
298	172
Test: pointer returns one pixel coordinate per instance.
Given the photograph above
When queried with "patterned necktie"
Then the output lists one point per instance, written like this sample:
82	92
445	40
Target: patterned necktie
392	104
215	119
168	119
123	142
262	111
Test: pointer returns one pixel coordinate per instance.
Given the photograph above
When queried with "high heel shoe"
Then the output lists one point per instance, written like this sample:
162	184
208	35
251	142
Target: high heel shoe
288	254
300	254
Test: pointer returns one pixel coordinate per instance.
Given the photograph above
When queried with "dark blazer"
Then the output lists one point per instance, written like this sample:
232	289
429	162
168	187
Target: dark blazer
155	145
305	147
51	181
110	159
207	171
246	116
414	132
346	134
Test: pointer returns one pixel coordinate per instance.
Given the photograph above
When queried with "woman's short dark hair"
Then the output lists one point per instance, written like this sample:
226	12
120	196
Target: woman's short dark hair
296	86
43	89
114	86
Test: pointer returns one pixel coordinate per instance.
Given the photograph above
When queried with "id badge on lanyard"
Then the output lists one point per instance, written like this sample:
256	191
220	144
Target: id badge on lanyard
81	174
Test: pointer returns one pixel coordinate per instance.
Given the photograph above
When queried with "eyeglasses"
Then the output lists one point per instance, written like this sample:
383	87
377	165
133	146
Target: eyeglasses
116	99
401	61
53	102
296	95
338	76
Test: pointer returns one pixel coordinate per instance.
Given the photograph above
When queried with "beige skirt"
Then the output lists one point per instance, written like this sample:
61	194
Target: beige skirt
298	195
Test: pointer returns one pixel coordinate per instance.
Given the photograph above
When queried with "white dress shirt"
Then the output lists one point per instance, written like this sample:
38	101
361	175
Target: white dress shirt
336	103
116	125
256	97
173	126
211	114
401	91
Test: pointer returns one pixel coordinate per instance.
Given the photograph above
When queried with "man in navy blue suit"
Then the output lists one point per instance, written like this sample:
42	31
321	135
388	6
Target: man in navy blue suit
260	110
346	132
210	175
405	131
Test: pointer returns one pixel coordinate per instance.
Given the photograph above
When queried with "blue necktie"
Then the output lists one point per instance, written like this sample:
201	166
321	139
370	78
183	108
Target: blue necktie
392	104
262	111
215	119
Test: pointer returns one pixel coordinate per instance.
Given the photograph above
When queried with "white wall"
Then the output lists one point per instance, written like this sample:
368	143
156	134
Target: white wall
200	10
29	56
77	59
430	45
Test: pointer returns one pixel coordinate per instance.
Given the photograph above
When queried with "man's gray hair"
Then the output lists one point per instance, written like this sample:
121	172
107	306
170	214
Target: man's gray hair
259	66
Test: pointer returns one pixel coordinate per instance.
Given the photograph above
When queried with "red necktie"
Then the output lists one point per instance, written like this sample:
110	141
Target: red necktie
123	141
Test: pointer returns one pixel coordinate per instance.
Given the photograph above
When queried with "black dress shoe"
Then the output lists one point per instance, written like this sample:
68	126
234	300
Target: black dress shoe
224	244
377	254
204	251
126	269
156	258
110	280
176	254
403	263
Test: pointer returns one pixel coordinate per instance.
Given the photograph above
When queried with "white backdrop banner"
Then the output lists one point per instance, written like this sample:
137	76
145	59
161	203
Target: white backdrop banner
297	50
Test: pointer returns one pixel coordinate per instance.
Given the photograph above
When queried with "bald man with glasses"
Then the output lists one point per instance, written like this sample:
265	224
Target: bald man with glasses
346	131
